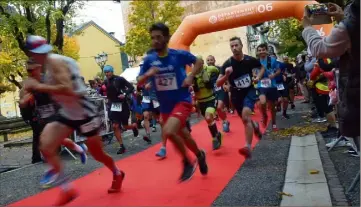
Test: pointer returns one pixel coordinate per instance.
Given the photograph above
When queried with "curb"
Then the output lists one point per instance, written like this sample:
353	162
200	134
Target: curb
337	192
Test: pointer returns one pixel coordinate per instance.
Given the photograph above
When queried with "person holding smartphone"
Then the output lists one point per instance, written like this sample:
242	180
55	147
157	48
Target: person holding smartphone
343	42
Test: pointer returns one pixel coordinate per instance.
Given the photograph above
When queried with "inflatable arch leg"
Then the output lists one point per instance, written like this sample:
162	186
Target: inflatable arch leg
238	16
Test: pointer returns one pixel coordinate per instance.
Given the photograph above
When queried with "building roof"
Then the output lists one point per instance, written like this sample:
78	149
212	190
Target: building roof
86	25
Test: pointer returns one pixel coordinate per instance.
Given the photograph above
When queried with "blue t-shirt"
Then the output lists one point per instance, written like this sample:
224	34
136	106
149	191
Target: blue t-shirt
151	93
266	82
168	81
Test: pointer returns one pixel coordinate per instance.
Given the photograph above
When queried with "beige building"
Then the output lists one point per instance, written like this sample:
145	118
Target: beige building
217	43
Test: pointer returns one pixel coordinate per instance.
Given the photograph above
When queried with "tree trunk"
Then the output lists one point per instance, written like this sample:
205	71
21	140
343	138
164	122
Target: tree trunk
59	40
48	27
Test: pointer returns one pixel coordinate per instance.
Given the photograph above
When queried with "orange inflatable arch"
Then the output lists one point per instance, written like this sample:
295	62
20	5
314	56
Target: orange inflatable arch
238	16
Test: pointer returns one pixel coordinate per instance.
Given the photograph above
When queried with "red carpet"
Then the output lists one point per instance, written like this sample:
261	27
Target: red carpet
152	182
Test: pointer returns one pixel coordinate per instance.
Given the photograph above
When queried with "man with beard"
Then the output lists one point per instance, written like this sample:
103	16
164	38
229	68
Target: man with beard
166	69
118	90
238	70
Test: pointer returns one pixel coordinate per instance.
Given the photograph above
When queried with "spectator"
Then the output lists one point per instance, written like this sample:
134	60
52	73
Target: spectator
92	88
301	76
290	82
343	42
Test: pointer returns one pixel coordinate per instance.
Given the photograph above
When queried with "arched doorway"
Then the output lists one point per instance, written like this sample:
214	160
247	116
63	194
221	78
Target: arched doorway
238	16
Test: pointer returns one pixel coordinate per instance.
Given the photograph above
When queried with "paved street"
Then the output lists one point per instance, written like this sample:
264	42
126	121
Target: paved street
257	183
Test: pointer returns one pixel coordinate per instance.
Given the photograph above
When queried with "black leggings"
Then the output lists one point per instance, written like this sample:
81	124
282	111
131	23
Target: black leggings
322	106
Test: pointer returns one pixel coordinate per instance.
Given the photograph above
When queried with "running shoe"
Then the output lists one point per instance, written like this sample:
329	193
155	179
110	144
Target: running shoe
203	167
49	178
121	150
147	139
162	153
246	152
54	180
217	141
83	156
117	183
66	196
188	170
154	129
226	126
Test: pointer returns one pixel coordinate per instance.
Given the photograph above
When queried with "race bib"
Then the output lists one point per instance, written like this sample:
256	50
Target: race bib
166	82
46	111
243	82
280	87
90	126
146	99
265	83
116	107
155	103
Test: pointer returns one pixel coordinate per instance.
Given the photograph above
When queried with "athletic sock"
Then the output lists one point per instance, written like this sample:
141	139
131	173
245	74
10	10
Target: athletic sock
248	146
213	129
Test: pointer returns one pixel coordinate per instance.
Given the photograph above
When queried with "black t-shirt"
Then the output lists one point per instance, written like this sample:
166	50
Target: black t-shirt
117	85
241	77
289	68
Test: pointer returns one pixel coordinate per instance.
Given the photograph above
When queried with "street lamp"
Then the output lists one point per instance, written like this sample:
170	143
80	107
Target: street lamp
101	59
131	62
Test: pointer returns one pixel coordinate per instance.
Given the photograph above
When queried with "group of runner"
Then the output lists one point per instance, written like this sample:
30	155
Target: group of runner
166	89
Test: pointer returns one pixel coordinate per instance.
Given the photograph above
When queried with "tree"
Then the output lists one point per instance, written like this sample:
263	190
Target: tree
71	47
288	33
142	16
19	18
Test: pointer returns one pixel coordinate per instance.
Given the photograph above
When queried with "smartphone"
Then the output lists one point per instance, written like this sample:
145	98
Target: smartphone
318	14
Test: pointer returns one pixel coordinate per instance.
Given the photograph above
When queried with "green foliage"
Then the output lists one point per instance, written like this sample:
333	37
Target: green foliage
288	33
19	18
142	16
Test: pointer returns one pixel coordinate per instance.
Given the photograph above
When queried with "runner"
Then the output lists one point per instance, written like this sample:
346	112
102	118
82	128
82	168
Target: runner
282	90
76	112
150	108
166	69
118	90
238	71
203	88
267	86
220	96
290	81
46	111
